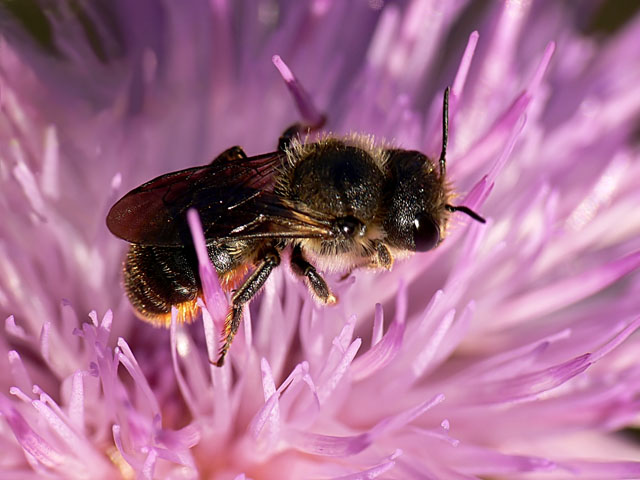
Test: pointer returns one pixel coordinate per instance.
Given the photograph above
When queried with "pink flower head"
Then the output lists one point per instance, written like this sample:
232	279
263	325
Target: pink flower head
508	352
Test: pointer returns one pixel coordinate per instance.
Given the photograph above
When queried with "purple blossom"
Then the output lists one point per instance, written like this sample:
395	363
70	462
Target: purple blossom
508	352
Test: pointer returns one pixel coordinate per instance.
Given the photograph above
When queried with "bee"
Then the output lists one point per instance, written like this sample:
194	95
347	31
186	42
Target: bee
337	204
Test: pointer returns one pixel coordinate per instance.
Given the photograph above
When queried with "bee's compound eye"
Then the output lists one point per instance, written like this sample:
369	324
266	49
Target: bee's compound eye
426	233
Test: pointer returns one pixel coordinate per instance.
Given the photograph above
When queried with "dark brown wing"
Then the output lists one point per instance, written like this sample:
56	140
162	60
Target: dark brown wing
235	200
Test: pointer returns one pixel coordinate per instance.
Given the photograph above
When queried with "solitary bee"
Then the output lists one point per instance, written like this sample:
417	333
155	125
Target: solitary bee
337	204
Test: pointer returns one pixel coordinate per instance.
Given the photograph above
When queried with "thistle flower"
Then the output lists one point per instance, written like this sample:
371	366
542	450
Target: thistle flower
508	352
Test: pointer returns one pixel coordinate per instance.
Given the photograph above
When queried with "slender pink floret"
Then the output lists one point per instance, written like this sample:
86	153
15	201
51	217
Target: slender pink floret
509	352
308	112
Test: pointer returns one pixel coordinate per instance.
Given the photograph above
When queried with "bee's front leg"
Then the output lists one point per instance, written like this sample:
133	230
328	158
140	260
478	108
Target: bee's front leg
269	260
317	285
382	258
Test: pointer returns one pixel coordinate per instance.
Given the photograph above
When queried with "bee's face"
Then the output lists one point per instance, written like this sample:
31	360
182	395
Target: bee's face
415	214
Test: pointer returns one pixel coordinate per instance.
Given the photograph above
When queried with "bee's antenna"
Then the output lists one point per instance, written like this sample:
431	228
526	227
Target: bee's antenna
467	210
445	132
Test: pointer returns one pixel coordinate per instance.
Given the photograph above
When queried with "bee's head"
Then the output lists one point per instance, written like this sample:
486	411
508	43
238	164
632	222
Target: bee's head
415	202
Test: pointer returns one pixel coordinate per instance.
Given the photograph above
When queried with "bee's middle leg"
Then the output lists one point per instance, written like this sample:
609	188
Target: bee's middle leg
317	284
232	154
269	260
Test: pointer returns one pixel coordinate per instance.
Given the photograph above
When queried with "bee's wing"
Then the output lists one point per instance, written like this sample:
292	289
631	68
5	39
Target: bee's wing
235	200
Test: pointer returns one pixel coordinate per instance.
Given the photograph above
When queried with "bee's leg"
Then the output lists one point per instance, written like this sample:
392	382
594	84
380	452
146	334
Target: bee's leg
383	258
270	259
231	154
317	285
295	130
346	274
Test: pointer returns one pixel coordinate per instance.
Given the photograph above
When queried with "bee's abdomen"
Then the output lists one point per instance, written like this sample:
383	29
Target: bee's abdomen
157	278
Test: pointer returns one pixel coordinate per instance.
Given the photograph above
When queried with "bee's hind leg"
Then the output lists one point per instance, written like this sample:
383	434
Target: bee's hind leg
269	260
317	285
